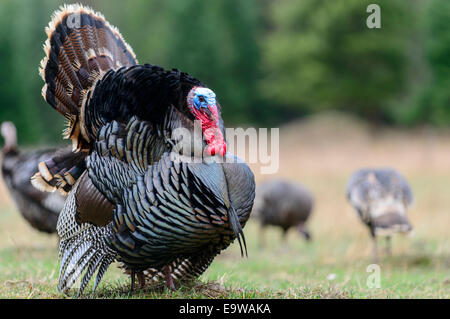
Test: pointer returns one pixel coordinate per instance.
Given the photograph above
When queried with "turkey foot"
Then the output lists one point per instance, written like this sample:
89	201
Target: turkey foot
141	279
132	280
169	279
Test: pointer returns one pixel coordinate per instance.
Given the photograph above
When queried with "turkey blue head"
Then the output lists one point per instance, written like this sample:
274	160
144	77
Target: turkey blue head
203	105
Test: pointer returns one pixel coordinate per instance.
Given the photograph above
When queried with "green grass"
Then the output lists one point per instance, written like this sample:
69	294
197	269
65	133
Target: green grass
294	269
333	265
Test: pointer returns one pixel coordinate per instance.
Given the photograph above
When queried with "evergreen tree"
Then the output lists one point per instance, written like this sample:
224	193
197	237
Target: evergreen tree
321	55
433	105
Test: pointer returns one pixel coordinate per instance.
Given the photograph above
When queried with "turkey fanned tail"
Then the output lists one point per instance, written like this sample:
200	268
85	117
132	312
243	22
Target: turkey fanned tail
83	249
81	47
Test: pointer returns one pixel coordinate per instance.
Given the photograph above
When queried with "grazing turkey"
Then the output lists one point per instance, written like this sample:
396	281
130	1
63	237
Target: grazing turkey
284	204
40	209
381	197
139	190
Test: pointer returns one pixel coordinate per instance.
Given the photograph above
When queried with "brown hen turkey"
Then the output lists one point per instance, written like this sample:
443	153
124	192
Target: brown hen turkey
40	209
283	204
381	197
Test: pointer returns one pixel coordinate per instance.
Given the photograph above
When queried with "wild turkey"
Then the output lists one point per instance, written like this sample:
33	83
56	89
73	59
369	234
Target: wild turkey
137	194
284	204
40	209
381	197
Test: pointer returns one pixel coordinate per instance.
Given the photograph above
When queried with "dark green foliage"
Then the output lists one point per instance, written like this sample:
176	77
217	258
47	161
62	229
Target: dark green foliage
433	103
215	41
321	55
21	37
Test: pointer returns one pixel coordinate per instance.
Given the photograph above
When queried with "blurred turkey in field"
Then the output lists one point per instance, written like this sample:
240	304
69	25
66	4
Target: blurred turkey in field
40	209
381	197
136	196
283	204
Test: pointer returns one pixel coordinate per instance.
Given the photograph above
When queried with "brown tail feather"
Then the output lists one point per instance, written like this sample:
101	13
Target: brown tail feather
60	172
80	48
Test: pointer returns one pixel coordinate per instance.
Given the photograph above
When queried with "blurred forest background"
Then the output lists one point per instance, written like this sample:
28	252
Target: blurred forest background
268	61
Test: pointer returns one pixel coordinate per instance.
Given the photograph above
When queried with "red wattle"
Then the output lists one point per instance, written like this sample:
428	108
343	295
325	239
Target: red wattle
211	131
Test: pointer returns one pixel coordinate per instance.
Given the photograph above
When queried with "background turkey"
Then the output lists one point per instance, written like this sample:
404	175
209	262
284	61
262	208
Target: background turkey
381	197
133	196
40	209
284	204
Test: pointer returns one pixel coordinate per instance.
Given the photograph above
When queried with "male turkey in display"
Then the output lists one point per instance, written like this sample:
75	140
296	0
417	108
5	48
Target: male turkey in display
284	204
40	209
381	197
144	197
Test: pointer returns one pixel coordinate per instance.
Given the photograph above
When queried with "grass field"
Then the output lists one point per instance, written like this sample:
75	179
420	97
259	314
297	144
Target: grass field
321	153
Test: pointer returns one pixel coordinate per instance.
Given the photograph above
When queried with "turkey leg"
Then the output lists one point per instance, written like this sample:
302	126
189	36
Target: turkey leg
169	279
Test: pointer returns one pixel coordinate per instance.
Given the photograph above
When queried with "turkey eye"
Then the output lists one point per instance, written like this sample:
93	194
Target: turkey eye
201	99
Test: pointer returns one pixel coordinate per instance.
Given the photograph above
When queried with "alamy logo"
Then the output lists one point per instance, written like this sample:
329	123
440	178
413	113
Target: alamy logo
374	279
74	20
251	145
374	19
